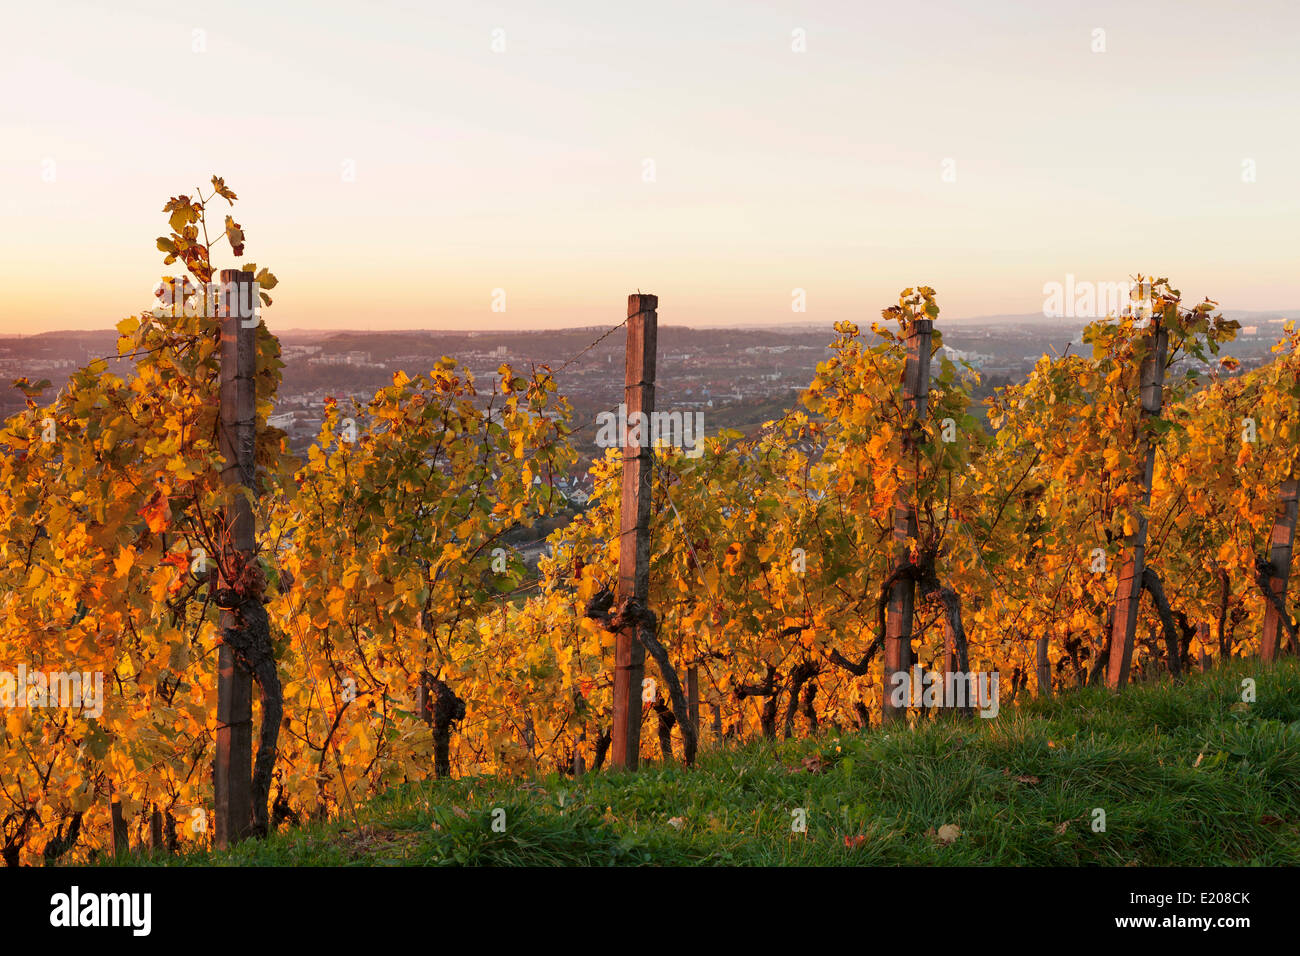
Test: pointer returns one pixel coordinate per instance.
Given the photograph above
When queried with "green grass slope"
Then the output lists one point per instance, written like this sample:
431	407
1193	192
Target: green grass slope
1186	775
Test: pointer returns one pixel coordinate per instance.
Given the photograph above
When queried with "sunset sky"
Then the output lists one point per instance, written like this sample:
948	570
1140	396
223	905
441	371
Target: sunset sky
524	169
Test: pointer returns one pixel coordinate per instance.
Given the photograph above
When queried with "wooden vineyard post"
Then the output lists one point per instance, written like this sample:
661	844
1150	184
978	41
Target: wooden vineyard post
156	842
693	693
233	770
634	526
1043	668
121	834
579	762
1280	559
1128	595
902	595
1203	638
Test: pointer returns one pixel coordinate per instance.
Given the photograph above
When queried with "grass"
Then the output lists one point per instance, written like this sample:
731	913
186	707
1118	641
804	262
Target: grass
1187	775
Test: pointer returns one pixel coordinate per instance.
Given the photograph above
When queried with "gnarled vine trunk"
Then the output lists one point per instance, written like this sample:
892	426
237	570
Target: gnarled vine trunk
1173	653
250	641
800	674
63	841
441	709
768	690
646	626
665	729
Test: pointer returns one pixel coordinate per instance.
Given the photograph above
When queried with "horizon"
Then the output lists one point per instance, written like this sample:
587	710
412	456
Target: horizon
809	325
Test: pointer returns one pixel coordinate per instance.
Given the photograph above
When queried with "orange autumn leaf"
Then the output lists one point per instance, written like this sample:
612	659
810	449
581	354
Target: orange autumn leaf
177	559
157	513
123	562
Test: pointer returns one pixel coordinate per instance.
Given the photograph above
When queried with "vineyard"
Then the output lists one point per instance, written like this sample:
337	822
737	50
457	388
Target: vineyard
1125	519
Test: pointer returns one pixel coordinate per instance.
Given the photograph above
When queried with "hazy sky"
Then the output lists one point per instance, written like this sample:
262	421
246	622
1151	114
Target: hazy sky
525	170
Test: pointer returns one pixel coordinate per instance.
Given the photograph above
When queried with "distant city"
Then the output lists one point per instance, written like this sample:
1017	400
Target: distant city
740	377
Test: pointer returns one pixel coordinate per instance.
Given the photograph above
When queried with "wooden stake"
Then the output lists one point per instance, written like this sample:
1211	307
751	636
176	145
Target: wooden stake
156	831
1044	669
902	596
237	436
1283	542
1128	596
580	762
693	693
634	526
121	835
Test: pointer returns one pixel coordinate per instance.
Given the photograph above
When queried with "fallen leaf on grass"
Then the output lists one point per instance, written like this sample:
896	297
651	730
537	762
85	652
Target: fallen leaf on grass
676	823
1269	820
853	842
948	833
1062	827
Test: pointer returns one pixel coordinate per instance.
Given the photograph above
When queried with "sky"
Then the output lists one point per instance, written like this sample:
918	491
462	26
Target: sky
403	164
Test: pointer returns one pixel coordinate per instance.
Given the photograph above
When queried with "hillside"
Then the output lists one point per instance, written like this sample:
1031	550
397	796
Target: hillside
1187	775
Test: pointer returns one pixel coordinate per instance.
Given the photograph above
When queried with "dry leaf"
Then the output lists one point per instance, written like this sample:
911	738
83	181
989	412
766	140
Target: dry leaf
1027	778
1062	827
948	833
677	823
